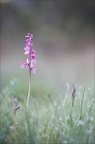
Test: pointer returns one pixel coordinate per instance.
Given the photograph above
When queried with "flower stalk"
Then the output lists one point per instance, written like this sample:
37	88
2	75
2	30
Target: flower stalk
29	88
29	62
73	98
73	95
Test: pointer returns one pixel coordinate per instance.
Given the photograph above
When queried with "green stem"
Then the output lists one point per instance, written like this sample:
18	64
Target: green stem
71	120
29	89
82	105
91	106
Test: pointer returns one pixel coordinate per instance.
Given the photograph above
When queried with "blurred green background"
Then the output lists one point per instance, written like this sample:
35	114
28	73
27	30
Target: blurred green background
63	39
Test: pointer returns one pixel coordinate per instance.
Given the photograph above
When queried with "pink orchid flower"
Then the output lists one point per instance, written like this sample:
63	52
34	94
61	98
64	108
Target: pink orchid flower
28	50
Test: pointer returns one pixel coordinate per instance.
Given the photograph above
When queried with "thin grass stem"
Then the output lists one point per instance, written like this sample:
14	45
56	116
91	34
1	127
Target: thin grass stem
81	106
29	89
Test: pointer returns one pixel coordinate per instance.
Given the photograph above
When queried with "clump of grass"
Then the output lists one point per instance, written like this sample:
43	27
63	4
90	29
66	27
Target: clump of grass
48	119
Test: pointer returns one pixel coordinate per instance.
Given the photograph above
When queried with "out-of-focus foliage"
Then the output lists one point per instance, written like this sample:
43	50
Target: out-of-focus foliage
63	39
49	119
71	16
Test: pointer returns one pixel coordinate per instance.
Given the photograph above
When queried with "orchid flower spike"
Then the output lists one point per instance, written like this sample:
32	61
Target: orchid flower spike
28	50
73	91
16	106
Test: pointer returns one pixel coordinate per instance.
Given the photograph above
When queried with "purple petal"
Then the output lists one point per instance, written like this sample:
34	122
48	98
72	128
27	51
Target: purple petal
28	40
29	35
27	52
23	64
32	52
74	89
15	102
33	57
